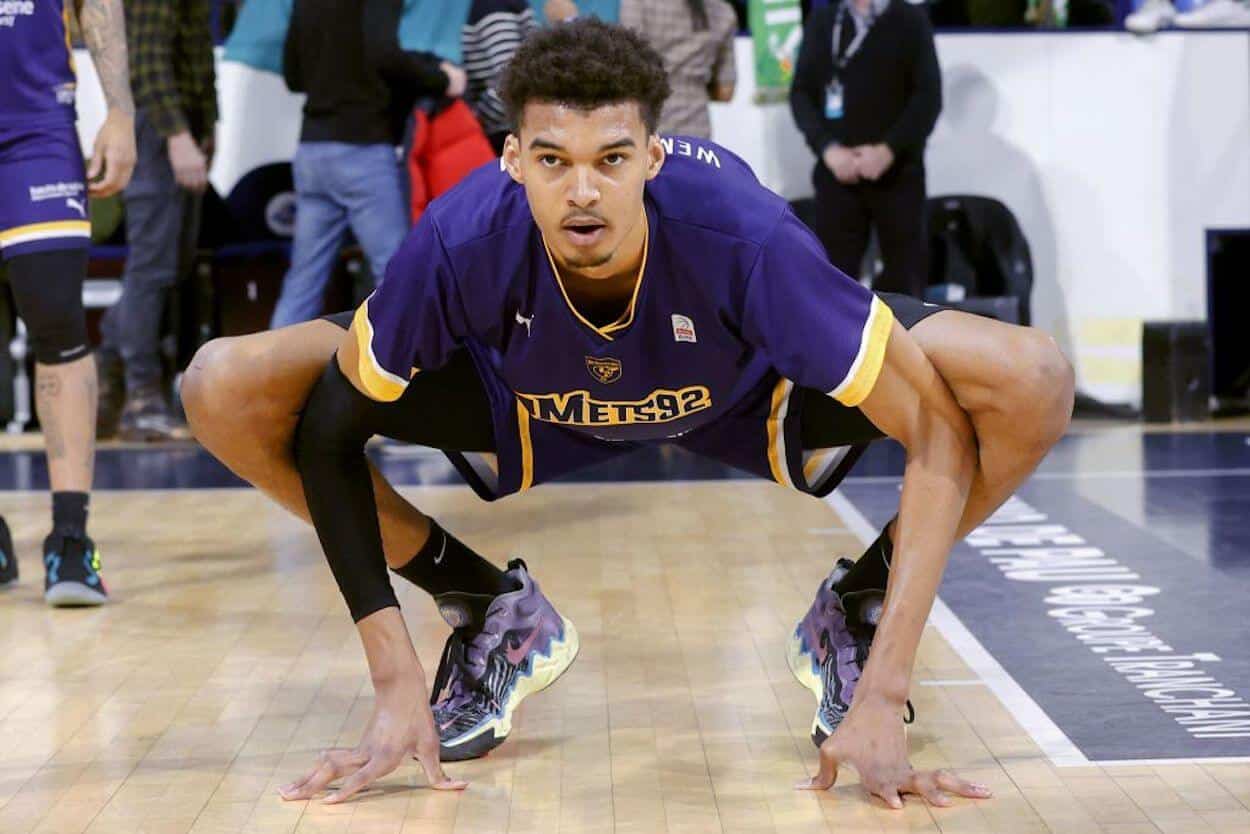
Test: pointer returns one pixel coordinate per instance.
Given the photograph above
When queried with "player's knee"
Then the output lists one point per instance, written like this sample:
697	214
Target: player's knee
48	289
1043	388
58	339
220	386
203	383
230	386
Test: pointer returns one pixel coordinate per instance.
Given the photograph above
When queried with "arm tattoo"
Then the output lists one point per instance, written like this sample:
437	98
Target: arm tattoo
104	29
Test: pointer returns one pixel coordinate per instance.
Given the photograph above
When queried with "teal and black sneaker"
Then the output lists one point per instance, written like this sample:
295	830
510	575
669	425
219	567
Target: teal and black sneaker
72	564
8	558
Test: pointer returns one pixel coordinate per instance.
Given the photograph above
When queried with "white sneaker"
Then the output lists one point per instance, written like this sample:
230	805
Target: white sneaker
1216	14
1151	17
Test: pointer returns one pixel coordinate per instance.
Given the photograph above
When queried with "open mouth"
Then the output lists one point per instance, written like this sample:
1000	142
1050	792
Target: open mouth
584	233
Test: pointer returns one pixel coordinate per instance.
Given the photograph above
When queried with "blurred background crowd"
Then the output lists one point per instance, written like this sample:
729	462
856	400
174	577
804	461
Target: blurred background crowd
388	103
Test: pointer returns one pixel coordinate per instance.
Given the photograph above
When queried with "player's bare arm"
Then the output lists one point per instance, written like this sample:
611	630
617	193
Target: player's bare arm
911	403
113	156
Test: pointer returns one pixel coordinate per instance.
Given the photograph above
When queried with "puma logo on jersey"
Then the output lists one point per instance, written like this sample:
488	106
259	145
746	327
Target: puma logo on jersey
520	319
77	205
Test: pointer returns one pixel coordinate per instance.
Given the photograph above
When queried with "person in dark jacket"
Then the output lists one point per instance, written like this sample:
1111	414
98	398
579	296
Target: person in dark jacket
867	92
345	55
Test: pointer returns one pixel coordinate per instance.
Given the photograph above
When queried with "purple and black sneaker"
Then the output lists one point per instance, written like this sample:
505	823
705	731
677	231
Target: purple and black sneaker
495	660
829	647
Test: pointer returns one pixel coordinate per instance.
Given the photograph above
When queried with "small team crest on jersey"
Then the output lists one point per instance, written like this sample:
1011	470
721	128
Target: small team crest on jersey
683	329
605	371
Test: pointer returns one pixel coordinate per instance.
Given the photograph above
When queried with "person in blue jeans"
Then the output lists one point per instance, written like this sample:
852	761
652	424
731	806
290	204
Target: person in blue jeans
360	85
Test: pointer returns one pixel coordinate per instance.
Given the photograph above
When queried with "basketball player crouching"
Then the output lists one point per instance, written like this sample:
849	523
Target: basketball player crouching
600	289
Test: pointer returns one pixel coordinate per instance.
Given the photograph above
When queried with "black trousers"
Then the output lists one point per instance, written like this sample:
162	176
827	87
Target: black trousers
895	206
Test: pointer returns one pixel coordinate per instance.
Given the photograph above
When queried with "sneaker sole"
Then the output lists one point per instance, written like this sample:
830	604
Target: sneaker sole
545	671
800	664
74	595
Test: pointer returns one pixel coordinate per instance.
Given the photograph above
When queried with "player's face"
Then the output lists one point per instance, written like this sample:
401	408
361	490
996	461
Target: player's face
584	173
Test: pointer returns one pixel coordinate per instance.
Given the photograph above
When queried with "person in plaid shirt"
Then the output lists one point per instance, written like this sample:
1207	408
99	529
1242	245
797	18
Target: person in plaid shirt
174	82
696	40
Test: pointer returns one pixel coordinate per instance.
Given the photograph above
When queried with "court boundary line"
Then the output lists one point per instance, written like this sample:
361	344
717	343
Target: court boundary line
1047	735
1032	719
1235	472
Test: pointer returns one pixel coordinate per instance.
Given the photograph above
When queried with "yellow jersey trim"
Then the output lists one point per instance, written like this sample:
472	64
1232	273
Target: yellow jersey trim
627	317
864	371
776	432
527	447
69	43
380	384
45	231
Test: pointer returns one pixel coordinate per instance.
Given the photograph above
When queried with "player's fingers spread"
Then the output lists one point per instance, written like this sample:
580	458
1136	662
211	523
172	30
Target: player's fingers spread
439	780
290	788
962	787
313	784
926	785
887	792
331	764
427	753
363	777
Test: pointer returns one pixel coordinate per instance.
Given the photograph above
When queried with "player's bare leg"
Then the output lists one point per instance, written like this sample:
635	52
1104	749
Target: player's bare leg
1017	388
65	399
243	396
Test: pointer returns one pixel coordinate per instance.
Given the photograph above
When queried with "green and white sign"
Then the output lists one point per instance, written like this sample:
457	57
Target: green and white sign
777	29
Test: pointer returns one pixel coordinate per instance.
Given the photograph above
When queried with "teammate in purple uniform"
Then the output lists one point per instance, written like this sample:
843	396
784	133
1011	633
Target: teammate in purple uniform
605	287
44	234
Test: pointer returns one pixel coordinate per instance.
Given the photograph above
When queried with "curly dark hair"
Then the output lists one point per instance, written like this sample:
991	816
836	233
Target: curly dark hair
586	64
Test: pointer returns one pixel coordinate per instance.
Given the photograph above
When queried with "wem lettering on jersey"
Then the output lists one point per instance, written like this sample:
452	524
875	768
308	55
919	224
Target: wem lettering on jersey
578	408
683	147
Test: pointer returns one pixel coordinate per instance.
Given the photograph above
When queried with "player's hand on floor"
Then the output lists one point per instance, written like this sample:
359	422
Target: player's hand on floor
871	740
402	725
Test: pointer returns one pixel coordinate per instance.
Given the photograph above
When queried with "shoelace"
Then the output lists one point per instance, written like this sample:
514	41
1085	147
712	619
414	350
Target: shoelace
463	656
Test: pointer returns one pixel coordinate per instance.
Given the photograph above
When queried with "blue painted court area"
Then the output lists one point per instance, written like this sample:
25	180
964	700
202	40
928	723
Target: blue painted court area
1112	590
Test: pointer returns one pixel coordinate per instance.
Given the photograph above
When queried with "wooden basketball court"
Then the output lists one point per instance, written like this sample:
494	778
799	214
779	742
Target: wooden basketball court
228	660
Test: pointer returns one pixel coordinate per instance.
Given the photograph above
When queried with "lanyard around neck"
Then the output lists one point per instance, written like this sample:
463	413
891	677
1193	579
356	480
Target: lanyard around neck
856	42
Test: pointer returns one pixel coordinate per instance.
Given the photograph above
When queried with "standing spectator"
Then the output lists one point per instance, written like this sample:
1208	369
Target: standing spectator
174	83
361	84
493	32
867	92
554	11
696	39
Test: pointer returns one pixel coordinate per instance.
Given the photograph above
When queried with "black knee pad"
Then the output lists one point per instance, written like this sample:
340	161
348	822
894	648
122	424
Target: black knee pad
48	290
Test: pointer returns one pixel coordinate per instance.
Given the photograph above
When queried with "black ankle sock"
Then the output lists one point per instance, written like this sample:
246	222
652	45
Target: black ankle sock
69	511
445	564
872	571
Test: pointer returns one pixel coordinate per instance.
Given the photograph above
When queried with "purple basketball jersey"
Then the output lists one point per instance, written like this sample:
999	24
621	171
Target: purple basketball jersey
37	82
737	302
